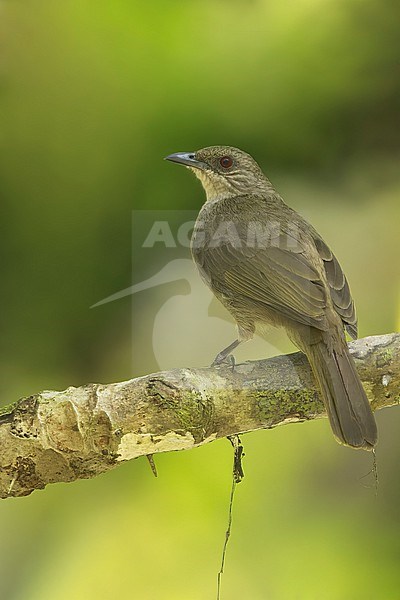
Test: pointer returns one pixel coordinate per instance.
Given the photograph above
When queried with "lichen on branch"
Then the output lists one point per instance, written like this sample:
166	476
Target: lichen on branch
83	431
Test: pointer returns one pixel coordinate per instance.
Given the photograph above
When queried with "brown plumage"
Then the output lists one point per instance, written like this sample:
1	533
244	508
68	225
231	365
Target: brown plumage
267	265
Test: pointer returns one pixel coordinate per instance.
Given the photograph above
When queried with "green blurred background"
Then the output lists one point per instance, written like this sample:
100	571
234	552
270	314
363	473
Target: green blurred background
92	96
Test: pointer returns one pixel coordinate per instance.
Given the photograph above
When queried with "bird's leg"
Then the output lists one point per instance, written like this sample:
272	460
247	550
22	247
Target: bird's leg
223	356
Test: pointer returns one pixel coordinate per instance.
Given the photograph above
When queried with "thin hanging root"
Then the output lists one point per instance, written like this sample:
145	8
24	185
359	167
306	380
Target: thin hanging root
237	476
150	458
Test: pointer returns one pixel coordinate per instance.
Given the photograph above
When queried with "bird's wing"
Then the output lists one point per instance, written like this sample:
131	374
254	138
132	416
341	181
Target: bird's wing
279	277
338	286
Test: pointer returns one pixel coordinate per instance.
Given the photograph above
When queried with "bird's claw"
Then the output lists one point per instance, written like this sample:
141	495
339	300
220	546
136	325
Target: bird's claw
222	359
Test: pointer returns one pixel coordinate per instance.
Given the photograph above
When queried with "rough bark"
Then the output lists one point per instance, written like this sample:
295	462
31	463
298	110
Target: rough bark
78	433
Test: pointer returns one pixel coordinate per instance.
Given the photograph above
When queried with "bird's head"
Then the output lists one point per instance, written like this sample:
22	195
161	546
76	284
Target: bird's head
224	171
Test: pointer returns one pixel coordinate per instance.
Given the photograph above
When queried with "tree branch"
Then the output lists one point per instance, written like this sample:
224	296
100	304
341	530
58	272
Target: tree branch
81	432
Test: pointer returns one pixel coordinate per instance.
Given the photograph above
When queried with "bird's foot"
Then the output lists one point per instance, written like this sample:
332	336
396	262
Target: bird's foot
224	359
225	356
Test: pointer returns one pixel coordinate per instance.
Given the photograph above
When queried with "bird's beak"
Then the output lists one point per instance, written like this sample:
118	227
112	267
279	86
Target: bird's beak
188	159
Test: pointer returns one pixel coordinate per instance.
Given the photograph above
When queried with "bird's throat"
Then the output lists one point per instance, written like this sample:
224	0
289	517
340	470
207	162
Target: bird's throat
215	186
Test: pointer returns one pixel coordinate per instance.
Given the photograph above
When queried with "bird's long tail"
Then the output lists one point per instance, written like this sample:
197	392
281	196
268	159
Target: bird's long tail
346	403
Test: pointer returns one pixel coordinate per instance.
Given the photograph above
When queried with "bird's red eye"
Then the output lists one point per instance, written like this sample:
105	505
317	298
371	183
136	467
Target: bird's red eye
226	162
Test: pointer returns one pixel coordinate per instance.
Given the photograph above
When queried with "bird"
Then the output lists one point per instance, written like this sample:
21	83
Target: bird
269	266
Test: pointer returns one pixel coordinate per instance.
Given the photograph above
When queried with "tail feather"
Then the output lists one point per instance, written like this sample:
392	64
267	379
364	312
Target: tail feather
348	409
